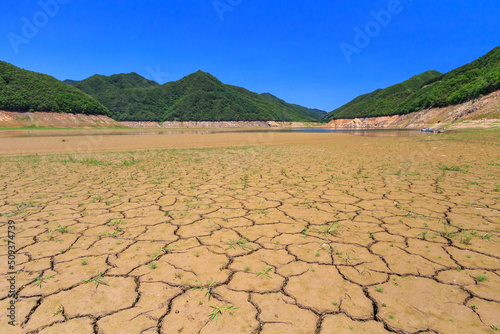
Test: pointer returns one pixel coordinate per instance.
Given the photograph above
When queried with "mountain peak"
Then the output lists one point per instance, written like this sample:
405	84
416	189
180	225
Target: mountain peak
201	80
100	84
200	74
198	96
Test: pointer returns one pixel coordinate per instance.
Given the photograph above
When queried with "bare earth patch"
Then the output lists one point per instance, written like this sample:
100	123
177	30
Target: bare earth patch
338	234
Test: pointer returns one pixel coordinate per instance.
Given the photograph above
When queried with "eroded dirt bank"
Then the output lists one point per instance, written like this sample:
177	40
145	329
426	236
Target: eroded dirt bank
13	119
483	112
221	124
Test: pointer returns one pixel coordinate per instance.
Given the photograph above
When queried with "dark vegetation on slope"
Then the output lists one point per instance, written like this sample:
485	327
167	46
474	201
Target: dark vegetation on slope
22	90
463	84
382	102
100	84
310	112
196	97
428	90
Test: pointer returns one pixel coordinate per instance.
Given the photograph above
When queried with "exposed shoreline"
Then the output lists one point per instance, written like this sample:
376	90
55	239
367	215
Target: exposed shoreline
215	124
16	119
60	143
483	113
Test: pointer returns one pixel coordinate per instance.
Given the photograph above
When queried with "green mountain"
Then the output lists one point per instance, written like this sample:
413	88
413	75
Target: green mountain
314	113
463	84
98	84
382	102
69	82
22	90
430	89
196	97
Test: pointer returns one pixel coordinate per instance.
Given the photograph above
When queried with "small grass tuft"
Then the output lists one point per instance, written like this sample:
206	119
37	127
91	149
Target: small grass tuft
265	273
40	280
211	288
216	310
60	310
453	168
62	229
97	279
241	242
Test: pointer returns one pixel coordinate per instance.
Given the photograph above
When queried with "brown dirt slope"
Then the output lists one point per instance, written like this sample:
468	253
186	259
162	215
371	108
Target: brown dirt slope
11	119
483	112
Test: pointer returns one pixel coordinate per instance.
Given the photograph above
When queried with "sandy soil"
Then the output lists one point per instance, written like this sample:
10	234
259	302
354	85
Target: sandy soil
93	142
337	234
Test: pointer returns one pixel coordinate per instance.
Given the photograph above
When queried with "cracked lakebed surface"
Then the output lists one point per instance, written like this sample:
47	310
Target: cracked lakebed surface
352	234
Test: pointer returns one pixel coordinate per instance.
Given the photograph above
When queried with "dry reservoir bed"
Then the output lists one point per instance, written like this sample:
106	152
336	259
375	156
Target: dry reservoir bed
347	234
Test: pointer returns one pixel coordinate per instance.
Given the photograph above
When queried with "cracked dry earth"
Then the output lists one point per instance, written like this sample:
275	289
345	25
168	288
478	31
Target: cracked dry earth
352	234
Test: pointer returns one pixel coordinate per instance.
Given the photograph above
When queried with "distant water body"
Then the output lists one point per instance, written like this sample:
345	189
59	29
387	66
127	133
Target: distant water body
142	132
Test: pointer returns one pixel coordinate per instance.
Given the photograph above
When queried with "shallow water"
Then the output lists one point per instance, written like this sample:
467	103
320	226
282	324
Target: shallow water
121	132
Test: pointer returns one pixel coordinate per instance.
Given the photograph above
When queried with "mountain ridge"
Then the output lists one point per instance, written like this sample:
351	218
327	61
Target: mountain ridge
313	111
381	102
460	85
198	96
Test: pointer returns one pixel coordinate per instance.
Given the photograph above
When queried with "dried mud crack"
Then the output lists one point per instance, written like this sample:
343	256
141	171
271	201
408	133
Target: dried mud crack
349	234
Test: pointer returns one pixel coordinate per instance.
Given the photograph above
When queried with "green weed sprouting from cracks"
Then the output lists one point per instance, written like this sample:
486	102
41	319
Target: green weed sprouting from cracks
242	242
265	273
211	288
216	310
97	279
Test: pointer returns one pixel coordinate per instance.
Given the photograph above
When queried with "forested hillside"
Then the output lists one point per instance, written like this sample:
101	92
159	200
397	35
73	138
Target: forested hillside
427	90
465	83
382	102
308	112
196	97
100	84
22	90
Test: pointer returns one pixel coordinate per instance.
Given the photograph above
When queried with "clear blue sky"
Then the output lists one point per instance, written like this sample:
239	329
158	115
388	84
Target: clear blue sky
288	48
